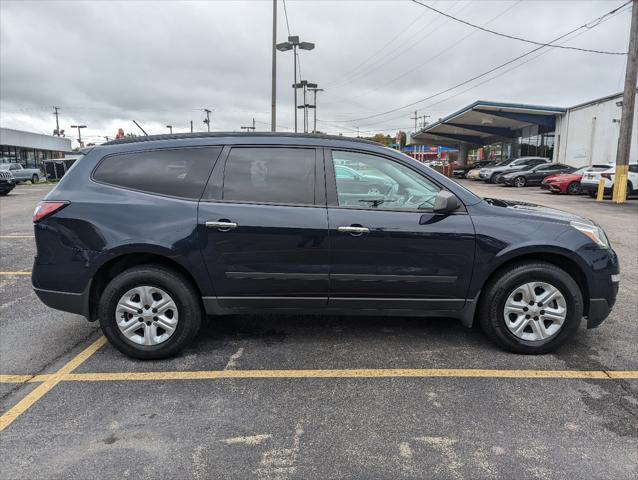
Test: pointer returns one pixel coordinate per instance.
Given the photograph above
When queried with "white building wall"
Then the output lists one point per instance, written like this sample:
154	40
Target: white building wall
589	134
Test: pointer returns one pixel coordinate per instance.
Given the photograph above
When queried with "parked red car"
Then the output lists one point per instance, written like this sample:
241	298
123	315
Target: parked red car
568	182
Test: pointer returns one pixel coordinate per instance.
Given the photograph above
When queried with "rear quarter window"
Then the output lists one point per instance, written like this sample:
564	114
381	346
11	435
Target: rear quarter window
176	172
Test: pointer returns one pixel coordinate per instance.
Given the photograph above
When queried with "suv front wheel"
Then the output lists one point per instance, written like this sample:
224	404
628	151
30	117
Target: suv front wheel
531	308
150	312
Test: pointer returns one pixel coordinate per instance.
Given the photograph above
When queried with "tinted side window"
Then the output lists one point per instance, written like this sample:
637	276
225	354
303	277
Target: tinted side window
179	172
270	175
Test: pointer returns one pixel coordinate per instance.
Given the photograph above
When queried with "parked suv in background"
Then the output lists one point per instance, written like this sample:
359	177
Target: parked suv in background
490	174
150	234
7	182
589	182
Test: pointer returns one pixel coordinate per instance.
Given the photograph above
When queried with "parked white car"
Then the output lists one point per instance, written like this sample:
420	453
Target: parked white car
589	182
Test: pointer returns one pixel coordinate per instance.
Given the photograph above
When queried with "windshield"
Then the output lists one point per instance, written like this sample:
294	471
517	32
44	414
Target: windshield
4	166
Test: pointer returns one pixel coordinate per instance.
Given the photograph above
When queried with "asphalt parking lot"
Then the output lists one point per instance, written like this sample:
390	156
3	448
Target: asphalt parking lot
316	397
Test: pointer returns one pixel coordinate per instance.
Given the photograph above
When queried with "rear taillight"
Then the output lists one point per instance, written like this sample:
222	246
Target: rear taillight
607	175
44	209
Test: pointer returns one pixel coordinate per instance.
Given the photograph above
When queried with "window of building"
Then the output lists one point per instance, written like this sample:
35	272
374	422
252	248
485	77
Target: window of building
270	175
381	183
179	173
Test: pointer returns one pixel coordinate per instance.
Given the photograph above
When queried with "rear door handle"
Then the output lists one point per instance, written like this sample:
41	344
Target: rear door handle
222	225
355	231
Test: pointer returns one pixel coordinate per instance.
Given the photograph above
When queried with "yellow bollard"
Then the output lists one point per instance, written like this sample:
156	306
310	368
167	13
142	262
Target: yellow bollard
601	190
620	184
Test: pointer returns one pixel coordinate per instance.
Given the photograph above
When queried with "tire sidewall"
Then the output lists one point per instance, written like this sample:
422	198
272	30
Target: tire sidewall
492	315
188	311
576	187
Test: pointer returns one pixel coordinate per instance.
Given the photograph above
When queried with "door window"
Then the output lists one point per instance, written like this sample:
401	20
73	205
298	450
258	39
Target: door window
380	184
270	175
176	172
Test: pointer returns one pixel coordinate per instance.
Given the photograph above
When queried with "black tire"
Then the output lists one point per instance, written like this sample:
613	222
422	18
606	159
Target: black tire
520	181
492	178
490	309
35	179
574	188
176	285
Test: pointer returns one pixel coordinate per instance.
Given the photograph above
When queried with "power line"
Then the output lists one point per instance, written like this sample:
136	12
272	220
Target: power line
433	57
588	25
509	69
512	37
396	52
286	15
430	105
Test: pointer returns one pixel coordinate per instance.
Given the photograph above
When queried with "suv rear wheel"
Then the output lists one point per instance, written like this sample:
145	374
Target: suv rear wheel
150	312
531	308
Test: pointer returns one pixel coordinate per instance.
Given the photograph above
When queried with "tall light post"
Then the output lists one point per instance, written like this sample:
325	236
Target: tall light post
273	93
292	44
79	127
314	91
170	128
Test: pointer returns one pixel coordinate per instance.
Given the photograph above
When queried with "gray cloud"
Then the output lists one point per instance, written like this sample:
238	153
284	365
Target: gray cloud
160	62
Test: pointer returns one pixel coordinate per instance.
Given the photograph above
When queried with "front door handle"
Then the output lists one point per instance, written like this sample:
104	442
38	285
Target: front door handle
222	225
353	230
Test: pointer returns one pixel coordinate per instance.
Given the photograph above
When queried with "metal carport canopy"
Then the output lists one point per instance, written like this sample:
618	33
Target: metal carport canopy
485	122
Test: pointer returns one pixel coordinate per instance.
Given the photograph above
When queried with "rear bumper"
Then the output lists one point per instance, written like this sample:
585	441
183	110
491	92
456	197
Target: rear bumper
77	303
593	188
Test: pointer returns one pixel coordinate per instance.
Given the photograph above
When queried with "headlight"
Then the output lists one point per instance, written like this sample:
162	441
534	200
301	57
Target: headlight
595	233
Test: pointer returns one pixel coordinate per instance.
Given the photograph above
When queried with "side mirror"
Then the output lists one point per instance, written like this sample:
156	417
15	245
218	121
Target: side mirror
446	202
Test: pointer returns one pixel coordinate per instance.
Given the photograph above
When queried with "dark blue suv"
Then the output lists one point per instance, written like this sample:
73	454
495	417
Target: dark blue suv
151	234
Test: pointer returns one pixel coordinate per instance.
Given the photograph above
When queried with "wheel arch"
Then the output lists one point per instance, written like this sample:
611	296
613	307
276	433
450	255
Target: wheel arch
113	267
560	260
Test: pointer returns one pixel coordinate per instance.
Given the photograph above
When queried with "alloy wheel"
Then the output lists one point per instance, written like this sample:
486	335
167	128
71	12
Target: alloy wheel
146	315
535	311
520	181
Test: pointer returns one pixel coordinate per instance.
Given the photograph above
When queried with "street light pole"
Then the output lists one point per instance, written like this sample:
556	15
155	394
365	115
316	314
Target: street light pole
170	128
273	93
314	90
292	44
79	127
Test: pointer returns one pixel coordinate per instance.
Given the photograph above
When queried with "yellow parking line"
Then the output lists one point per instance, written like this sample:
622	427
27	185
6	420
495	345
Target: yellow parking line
6	237
15	273
23	378
42	389
350	373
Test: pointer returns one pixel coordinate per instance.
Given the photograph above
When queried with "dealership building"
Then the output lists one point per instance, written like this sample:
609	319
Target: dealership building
31	149
580	135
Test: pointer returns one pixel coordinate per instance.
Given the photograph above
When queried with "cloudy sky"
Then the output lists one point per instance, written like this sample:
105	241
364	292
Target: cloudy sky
105	63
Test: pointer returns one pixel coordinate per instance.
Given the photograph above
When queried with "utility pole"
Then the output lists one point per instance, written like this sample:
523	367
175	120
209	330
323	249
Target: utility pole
79	127
627	115
191	126
57	123
425	123
273	93
314	90
207	119
415	118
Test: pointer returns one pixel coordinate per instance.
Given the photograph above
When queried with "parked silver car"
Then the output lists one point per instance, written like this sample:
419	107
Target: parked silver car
510	165
21	174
